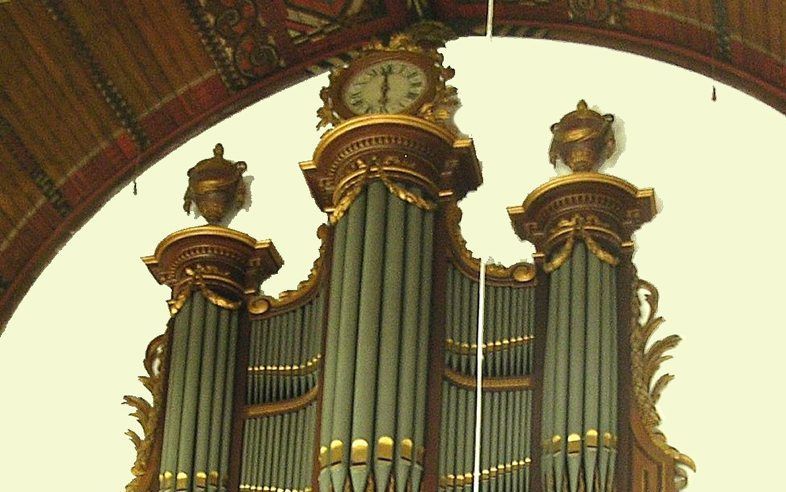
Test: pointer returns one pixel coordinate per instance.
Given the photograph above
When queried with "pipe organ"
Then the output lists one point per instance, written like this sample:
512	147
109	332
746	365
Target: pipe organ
365	377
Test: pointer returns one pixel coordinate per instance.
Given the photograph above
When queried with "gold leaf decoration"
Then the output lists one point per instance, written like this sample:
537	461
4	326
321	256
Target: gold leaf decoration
439	109
519	274
147	414
195	280
646	362
376	169
578	226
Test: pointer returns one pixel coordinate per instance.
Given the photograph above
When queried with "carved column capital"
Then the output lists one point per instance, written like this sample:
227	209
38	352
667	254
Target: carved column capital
225	264
601	210
399	150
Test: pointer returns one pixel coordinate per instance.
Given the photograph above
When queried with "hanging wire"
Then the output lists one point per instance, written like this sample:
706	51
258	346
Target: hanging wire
490	19
479	372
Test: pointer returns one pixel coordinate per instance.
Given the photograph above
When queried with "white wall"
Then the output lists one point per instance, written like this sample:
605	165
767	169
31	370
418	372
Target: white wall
76	342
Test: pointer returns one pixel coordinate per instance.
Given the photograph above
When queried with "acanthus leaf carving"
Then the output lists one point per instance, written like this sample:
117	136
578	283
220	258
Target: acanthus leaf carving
149	417
646	362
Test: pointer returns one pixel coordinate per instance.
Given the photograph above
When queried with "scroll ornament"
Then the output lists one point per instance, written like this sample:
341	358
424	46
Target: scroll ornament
147	415
496	274
305	290
646	362
371	171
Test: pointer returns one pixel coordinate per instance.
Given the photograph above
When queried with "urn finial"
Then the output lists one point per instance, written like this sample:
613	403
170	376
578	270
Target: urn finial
216	187
583	139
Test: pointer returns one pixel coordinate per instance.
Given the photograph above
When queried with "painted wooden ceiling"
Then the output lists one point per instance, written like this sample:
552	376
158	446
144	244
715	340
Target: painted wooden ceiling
94	91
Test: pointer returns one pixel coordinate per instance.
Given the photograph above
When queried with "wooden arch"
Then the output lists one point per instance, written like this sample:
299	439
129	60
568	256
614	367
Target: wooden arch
93	92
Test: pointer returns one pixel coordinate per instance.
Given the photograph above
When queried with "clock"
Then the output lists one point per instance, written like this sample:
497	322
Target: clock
399	78
390	86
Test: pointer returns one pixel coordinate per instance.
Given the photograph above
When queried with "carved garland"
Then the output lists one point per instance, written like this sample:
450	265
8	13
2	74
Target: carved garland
378	171
578	225
149	417
195	280
646	362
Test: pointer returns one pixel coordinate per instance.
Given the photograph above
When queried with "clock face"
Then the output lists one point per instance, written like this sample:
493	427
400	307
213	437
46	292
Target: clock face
392	86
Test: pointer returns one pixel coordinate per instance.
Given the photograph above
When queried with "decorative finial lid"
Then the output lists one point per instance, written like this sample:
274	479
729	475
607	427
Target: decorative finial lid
216	186
583	139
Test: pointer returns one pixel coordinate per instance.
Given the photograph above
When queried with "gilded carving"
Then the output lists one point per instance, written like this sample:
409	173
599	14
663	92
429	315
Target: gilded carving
578	226
601	210
237	39
439	102
646	360
519	274
596	11
583	139
376	169
306	289
195	279
225	265
216	186
406	149
148	446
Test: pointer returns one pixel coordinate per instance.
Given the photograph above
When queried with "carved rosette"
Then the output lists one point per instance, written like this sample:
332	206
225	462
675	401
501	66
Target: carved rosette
227	266
601	210
399	150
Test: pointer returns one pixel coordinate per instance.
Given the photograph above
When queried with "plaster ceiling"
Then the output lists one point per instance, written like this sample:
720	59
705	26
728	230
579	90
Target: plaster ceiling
92	92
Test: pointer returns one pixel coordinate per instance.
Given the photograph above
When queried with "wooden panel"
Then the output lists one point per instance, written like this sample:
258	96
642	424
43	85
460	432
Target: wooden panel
64	76
13	208
162	41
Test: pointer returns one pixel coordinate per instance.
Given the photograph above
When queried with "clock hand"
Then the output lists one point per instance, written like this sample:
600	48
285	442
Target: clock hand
383	101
